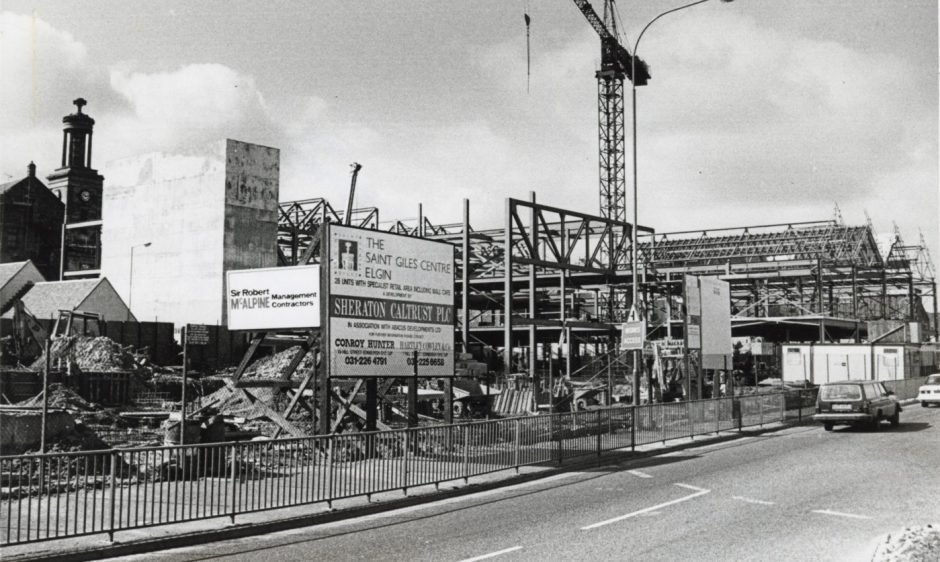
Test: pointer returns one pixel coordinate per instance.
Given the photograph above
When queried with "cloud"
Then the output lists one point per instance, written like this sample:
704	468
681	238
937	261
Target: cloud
135	111
43	70
193	104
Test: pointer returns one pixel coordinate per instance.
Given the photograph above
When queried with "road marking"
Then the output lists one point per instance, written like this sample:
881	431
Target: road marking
492	554
736	441
699	492
752	500
639	474
840	514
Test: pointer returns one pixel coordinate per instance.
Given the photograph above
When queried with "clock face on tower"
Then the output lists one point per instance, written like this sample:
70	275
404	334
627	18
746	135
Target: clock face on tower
85	195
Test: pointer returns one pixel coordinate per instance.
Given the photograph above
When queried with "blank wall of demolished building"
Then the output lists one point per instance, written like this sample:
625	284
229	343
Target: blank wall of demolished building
175	223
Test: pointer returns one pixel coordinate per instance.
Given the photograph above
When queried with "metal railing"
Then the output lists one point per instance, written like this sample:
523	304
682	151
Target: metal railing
58	495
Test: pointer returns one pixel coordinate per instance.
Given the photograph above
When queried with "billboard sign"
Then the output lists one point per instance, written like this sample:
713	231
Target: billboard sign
274	298
715	302
388	296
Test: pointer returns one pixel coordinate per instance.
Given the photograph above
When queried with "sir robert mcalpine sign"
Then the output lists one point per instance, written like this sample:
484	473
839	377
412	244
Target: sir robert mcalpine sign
274	298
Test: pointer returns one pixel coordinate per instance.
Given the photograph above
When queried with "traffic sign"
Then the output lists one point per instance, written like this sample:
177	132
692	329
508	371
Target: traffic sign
632	335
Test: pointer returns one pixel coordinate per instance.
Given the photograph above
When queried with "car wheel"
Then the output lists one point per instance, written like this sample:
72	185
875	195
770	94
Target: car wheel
896	418
923	404
875	423
827	426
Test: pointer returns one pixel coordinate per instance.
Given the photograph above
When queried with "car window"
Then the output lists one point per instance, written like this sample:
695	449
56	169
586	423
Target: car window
881	388
933	379
874	391
840	392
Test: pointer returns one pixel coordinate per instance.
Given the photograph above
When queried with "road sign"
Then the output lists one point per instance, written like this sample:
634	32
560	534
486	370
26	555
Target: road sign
632	335
197	334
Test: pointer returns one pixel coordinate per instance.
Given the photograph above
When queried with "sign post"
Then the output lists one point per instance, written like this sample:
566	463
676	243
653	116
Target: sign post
632	338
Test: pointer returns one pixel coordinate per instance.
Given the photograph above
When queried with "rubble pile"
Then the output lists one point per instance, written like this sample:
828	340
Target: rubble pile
273	366
913	544
64	398
91	354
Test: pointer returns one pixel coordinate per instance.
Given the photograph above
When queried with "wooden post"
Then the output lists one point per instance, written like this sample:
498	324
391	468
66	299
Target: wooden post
371	403
183	400
448	400
45	397
413	393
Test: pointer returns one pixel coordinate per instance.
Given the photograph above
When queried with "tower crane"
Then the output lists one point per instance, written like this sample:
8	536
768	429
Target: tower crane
616	64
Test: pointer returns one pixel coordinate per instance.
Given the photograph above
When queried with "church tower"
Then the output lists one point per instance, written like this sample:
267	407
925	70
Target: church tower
79	187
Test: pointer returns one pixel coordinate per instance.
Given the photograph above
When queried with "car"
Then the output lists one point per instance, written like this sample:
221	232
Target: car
929	393
856	402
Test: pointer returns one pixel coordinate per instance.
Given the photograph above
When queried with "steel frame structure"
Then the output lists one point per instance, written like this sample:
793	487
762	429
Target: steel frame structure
552	274
820	269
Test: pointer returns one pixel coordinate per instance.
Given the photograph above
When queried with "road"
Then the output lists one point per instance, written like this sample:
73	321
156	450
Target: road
797	494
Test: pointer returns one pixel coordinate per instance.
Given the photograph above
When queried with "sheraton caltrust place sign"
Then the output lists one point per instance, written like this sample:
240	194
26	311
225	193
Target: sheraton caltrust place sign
388	295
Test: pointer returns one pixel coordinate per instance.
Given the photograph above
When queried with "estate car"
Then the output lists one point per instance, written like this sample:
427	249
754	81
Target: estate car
856	403
929	392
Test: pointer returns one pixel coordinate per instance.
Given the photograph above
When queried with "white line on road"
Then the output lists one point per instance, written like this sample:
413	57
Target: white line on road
639	474
840	514
699	492
492	554
752	500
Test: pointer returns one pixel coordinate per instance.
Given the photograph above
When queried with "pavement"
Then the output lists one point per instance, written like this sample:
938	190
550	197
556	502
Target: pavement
149	540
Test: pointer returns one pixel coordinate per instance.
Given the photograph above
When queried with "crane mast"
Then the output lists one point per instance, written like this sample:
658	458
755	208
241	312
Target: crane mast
616	64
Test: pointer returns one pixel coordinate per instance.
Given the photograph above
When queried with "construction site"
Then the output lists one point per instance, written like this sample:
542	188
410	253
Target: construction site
535	313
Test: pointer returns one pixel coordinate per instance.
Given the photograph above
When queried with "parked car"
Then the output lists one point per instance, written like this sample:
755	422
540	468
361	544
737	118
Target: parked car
856	403
929	392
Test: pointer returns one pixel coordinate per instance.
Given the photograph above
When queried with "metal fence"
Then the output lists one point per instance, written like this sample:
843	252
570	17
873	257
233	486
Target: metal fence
57	495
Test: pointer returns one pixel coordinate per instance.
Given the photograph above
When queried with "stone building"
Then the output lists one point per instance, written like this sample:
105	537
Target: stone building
31	224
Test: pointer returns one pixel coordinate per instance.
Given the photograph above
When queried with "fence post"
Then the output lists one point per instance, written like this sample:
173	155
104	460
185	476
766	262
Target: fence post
688	412
517	443
799	408
404	468
662	424
113	494
329	473
234	477
718	416
597	428
466	454
760	409
633	421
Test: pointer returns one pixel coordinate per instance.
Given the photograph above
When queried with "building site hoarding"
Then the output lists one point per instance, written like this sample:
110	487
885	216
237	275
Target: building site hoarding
275	298
388	296
822	363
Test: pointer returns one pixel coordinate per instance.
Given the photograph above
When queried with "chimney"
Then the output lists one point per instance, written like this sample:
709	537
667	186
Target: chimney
31	170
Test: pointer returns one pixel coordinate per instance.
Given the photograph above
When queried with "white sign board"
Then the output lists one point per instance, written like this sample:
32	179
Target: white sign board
389	295
275	298
716	321
632	335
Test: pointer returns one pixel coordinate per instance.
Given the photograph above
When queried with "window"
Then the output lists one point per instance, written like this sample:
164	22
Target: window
841	392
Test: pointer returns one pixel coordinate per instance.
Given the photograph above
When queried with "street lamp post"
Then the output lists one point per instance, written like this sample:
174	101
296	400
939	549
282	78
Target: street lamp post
634	254
130	277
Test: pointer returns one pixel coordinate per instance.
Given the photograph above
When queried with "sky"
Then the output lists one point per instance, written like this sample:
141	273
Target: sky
757	112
